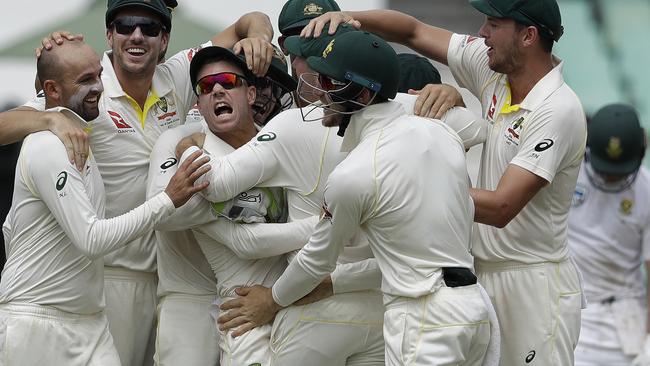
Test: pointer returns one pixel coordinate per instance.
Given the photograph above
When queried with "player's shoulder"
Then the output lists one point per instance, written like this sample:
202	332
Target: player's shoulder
174	135
43	148
289	126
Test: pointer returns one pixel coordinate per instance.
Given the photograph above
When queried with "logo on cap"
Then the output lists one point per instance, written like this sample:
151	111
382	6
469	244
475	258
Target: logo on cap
328	49
614	149
312	9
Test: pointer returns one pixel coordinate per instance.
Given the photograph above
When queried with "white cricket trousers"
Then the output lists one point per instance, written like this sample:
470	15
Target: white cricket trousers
344	329
538	307
186	335
445	328
131	312
41	335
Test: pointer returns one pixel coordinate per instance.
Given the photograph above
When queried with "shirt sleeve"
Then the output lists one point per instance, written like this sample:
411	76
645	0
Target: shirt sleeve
38	102
357	276
344	205
471	129
275	157
468	62
255	241
552	138
163	165
59	184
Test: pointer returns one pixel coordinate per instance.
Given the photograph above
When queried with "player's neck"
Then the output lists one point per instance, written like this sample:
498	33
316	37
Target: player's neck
240	136
523	79
135	86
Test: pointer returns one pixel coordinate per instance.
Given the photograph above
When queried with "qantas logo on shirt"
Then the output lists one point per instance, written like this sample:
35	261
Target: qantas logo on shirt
493	107
119	122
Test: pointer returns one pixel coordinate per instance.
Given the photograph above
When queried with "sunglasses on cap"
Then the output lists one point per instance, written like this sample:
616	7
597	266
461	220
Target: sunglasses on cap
127	25
228	80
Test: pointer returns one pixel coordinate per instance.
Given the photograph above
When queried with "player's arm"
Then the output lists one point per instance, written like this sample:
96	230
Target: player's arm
19	122
62	189
516	187
255	241
252	34
356	276
392	26
471	129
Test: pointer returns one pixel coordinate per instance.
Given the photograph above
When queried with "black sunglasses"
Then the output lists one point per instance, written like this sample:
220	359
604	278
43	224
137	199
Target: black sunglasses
127	25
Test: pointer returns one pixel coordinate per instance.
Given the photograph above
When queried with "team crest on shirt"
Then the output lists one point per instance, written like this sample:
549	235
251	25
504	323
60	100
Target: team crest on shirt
626	207
579	195
513	132
165	112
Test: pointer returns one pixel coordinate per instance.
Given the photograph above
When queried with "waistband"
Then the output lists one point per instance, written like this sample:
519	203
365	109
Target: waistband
44	311
487	266
119	273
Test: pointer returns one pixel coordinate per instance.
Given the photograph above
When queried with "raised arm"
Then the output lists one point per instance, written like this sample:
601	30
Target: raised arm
393	26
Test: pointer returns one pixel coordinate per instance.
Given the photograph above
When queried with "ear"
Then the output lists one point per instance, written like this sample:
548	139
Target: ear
164	40
52	91
251	94
109	37
530	35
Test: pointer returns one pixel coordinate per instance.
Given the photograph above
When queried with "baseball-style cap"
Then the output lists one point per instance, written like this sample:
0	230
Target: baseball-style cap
158	7
415	72
296	14
313	46
362	58
215	53
544	14
616	140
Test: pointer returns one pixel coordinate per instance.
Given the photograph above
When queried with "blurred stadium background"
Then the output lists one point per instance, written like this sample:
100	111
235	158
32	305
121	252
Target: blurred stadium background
604	46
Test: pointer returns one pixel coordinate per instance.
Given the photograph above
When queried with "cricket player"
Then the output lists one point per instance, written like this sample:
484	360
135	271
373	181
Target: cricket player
608	237
141	100
52	288
179	338
381	192
535	143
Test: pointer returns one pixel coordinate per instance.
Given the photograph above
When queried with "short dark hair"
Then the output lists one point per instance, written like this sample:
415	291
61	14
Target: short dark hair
546	41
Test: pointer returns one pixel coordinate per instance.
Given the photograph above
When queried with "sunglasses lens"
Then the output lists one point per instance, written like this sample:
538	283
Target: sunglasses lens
127	25
227	80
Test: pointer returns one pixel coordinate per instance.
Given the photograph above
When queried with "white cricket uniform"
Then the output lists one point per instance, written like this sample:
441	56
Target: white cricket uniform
236	253
299	156
51	292
609	237
400	174
122	138
546	135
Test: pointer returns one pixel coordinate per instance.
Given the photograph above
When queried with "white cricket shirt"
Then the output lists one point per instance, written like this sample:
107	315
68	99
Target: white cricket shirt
545	134
405	185
609	237
56	234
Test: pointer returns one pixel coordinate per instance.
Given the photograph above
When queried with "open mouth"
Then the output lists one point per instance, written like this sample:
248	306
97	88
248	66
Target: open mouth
136	51
222	109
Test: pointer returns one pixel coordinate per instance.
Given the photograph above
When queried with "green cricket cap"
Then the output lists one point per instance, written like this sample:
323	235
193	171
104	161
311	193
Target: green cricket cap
279	71
362	58
306	47
544	14
415	72
616	140
295	14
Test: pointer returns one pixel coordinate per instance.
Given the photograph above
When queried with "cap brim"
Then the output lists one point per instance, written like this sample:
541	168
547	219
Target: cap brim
607	167
212	52
484	7
295	25
293	45
321	66
282	78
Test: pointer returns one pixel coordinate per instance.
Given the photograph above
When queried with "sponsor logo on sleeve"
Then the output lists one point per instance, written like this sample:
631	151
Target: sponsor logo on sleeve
530	356
268	136
544	145
170	162
61	180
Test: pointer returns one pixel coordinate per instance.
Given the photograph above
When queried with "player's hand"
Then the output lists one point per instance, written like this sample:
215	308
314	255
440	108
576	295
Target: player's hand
181	186
322	291
74	138
195	139
434	100
57	37
335	18
258	52
253	308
